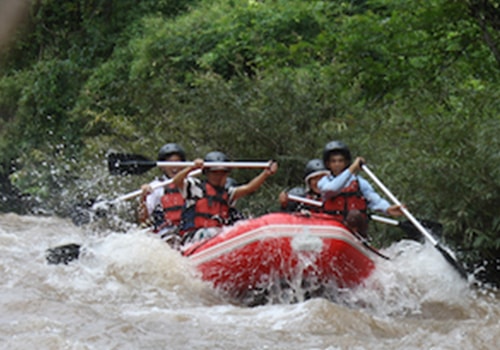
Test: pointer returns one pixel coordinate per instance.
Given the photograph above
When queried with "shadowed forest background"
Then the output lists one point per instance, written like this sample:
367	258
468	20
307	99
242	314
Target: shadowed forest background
412	86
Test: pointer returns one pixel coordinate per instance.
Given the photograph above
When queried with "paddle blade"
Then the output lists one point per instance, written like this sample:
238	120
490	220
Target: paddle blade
63	254
80	216
85	212
128	164
453	262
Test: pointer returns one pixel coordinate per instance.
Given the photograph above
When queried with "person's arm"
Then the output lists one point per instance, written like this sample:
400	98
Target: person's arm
355	166
179	178
283	199
287	205
330	186
395	210
148	201
255	183
143	212
375	201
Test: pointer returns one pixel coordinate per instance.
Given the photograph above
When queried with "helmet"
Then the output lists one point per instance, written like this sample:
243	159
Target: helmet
338	147
297	191
216	156
169	149
314	166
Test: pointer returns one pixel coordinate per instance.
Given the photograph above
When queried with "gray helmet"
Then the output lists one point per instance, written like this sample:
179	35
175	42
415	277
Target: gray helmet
169	149
336	147
216	156
297	191
314	166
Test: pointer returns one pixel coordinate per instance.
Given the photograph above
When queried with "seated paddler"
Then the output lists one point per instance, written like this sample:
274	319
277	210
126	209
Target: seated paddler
162	207
346	195
208	200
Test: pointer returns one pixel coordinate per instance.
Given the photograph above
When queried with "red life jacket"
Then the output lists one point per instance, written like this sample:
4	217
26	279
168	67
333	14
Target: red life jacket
350	198
212	210
172	203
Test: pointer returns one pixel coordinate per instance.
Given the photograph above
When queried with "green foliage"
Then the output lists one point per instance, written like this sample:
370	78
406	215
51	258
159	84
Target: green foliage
48	93
274	118
10	87
84	30
228	38
388	48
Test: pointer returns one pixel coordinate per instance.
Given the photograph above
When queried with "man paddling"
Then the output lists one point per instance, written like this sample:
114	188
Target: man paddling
162	207
208	202
346	195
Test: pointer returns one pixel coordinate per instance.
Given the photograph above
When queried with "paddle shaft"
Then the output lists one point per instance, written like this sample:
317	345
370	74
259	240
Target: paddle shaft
304	200
261	165
451	260
135	164
154	187
405	211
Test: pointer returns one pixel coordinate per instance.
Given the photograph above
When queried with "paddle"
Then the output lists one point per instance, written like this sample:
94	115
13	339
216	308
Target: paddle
451	260
406	226
63	254
83	213
134	164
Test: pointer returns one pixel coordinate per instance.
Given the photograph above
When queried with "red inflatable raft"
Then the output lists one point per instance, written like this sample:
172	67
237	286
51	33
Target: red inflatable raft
258	255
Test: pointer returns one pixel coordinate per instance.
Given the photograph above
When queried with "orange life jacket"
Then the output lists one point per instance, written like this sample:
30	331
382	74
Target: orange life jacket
349	198
212	210
172	203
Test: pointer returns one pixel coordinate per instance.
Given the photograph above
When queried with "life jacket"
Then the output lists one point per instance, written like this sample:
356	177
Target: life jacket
212	210
172	203
350	198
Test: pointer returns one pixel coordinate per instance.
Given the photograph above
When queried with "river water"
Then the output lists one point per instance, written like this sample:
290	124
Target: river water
130	291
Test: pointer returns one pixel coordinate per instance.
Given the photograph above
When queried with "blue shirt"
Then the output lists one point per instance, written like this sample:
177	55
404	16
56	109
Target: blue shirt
330	186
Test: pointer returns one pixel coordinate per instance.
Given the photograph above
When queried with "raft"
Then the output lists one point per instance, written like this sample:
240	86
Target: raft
277	251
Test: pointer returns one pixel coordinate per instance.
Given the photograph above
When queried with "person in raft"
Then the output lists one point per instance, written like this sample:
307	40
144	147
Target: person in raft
162	207
208	201
234	213
346	195
314	171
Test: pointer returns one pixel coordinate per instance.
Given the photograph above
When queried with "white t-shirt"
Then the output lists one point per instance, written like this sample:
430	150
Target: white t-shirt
153	200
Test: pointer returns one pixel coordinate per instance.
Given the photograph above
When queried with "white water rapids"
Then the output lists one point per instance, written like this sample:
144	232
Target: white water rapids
130	291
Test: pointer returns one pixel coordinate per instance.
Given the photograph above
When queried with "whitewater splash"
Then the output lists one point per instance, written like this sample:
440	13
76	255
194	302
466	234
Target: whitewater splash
131	291
414	280
403	285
